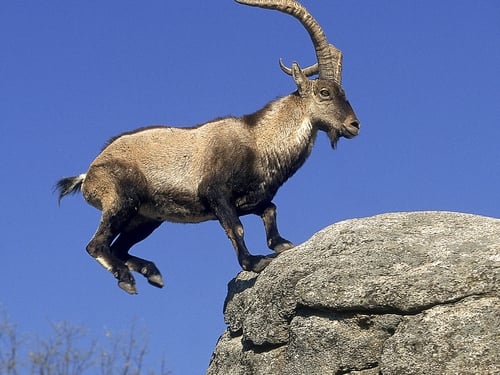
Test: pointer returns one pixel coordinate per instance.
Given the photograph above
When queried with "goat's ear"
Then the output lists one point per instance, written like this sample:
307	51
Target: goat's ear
300	79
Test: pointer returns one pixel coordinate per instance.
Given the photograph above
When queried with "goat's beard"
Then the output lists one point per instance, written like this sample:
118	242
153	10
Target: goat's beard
334	136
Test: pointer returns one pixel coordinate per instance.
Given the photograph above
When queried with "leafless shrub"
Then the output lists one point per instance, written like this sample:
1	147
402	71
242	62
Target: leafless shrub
69	350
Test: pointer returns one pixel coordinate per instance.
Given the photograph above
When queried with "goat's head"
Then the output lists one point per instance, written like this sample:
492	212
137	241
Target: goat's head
329	108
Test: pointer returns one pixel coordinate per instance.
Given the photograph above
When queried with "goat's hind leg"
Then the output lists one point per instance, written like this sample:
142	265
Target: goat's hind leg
274	240
116	188
99	248
137	230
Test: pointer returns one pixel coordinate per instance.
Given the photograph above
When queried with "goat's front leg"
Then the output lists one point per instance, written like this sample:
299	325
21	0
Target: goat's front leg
274	240
228	218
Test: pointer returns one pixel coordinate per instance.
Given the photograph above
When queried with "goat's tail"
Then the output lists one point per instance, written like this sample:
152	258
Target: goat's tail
69	185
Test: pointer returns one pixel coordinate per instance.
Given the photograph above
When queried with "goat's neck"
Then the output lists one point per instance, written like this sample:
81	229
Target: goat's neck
285	136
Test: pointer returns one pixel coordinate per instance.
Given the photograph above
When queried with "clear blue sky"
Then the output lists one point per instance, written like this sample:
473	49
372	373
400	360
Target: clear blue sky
423	77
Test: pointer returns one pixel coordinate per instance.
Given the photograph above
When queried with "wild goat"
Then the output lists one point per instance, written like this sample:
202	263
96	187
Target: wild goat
220	170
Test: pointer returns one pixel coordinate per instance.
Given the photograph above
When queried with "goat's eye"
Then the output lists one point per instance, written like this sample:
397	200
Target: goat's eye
324	93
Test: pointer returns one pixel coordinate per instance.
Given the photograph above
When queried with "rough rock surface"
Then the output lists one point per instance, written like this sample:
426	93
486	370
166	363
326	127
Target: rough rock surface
400	293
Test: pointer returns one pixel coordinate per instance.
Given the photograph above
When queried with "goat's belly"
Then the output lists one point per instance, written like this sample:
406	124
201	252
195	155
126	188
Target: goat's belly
167	209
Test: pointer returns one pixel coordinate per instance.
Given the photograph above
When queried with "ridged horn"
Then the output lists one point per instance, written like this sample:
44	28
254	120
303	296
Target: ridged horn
329	58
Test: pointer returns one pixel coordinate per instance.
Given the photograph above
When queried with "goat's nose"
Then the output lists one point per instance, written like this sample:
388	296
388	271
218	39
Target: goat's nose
355	124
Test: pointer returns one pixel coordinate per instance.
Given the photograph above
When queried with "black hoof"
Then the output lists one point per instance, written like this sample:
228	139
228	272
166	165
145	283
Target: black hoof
284	246
279	244
257	263
128	287
156	280
152	274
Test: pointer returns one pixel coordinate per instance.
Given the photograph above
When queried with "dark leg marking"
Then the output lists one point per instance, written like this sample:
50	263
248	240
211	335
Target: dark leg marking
274	240
137	230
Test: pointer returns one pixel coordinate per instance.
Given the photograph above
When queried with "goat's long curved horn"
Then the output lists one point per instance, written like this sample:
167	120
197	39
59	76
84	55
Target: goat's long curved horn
329	58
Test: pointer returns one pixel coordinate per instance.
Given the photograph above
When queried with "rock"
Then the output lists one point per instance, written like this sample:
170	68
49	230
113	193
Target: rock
401	293
459	338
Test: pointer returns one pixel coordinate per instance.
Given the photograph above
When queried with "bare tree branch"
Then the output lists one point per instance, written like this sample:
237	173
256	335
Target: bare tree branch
9	344
70	351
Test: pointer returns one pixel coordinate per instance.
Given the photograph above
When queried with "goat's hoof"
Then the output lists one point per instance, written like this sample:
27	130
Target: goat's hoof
278	244
152	274
128	287
259	262
284	246
156	280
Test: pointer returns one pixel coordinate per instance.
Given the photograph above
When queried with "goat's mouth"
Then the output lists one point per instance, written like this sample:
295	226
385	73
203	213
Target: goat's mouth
350	130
